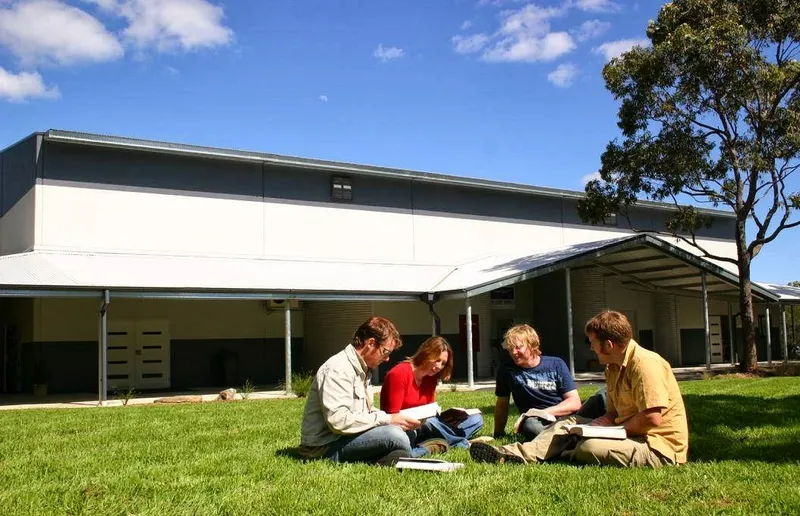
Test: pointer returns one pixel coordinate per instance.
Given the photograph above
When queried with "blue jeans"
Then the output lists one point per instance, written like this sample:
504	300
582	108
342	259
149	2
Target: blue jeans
434	428
369	446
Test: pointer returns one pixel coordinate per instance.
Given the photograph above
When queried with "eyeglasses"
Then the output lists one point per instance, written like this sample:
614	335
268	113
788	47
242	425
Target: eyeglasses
385	352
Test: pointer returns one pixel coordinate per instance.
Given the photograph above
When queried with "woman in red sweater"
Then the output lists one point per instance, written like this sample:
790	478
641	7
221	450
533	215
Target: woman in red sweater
413	383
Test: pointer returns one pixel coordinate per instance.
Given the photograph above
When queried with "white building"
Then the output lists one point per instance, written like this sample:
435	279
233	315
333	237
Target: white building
200	252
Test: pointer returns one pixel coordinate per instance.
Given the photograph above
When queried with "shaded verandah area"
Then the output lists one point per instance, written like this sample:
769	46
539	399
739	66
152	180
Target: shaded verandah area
644	261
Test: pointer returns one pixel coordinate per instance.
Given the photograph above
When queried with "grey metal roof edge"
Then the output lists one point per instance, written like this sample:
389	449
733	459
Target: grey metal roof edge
155	293
98	140
614	246
24	138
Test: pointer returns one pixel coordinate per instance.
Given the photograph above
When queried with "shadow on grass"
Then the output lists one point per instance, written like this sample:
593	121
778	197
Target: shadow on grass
292	452
730	427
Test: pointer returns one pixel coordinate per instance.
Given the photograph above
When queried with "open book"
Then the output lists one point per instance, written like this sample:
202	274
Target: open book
602	432
534	412
451	417
427	464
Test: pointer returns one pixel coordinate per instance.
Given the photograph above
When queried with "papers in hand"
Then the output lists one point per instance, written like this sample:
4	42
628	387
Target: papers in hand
602	432
427	464
452	416
534	412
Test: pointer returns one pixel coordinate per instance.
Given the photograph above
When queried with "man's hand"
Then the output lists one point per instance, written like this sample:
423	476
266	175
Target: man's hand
404	422
603	421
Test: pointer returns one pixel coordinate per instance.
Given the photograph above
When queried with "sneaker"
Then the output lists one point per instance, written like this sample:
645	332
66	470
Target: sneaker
390	459
481	439
435	445
482	452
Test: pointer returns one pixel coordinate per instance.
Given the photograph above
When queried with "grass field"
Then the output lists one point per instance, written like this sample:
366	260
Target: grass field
232	458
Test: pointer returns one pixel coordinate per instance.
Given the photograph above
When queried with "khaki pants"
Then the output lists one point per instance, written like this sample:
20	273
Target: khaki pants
555	443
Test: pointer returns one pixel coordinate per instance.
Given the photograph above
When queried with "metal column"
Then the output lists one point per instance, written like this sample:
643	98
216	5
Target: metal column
287	315
570	336
433	326
731	334
769	337
785	335
470	373
102	384
705	321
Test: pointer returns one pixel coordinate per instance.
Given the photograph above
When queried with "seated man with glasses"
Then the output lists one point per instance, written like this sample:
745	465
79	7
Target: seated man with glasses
340	422
537	381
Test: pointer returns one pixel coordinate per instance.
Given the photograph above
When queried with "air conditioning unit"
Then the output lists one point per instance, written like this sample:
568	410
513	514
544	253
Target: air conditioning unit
280	304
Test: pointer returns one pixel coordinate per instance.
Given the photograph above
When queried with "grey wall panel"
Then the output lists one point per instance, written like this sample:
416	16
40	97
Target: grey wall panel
486	203
550	314
18	166
230	362
66	367
133	170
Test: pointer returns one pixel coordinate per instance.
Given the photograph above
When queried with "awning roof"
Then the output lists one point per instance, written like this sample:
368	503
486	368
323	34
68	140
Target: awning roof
788	295
642	261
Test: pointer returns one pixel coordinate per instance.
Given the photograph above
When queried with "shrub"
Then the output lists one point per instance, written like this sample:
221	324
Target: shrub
301	383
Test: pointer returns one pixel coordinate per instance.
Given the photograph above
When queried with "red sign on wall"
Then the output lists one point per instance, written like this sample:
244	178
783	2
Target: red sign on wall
476	333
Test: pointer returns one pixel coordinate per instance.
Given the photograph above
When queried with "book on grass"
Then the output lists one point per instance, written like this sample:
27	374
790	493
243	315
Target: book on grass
534	412
451	417
602	432
424	464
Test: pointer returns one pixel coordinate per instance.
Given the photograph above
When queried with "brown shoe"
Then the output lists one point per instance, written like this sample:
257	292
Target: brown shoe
481	439
482	452
435	445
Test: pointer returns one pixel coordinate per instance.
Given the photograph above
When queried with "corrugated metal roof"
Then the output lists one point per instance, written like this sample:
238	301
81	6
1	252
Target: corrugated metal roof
143	275
788	295
99	140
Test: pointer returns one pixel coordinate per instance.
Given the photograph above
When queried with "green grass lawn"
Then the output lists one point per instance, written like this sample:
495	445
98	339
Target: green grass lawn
231	458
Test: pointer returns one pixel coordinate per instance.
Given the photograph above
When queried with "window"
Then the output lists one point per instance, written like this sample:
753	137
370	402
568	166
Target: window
341	189
610	220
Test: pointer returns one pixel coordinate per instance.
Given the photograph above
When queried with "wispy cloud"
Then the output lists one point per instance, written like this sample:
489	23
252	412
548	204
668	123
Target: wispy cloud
598	6
467	24
589	177
524	35
564	75
591	29
323	98
386	54
170	25
48	32
611	49
24	86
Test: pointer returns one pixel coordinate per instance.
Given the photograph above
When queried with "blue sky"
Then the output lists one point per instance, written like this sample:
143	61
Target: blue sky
506	90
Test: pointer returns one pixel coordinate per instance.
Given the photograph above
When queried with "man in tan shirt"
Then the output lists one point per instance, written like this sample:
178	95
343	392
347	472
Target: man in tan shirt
643	397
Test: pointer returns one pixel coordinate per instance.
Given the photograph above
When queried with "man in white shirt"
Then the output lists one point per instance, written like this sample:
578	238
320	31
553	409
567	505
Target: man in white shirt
340	422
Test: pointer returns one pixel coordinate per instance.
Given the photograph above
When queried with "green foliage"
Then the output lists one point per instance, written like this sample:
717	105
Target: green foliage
710	115
247	389
125	395
237	458
301	383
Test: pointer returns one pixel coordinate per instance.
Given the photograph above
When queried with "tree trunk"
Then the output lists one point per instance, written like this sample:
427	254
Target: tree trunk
749	360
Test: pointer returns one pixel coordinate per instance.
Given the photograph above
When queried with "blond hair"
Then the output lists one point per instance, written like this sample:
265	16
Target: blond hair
522	333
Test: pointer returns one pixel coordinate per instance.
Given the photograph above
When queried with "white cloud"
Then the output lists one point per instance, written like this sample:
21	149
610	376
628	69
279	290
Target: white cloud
524	35
589	177
597	6
386	54
51	32
591	29
467	24
170	25
469	44
23	86
563	75
611	49
323	98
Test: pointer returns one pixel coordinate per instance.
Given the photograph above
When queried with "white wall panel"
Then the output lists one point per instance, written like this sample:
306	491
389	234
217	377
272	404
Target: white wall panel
337	232
17	231
95	219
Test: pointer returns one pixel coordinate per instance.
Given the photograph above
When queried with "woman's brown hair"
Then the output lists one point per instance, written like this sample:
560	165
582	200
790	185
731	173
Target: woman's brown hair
429	351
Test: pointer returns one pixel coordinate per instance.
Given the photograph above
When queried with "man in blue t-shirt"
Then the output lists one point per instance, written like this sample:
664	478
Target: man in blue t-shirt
534	381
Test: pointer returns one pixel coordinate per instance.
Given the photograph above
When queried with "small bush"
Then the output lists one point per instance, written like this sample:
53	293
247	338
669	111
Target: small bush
125	395
247	389
301	383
